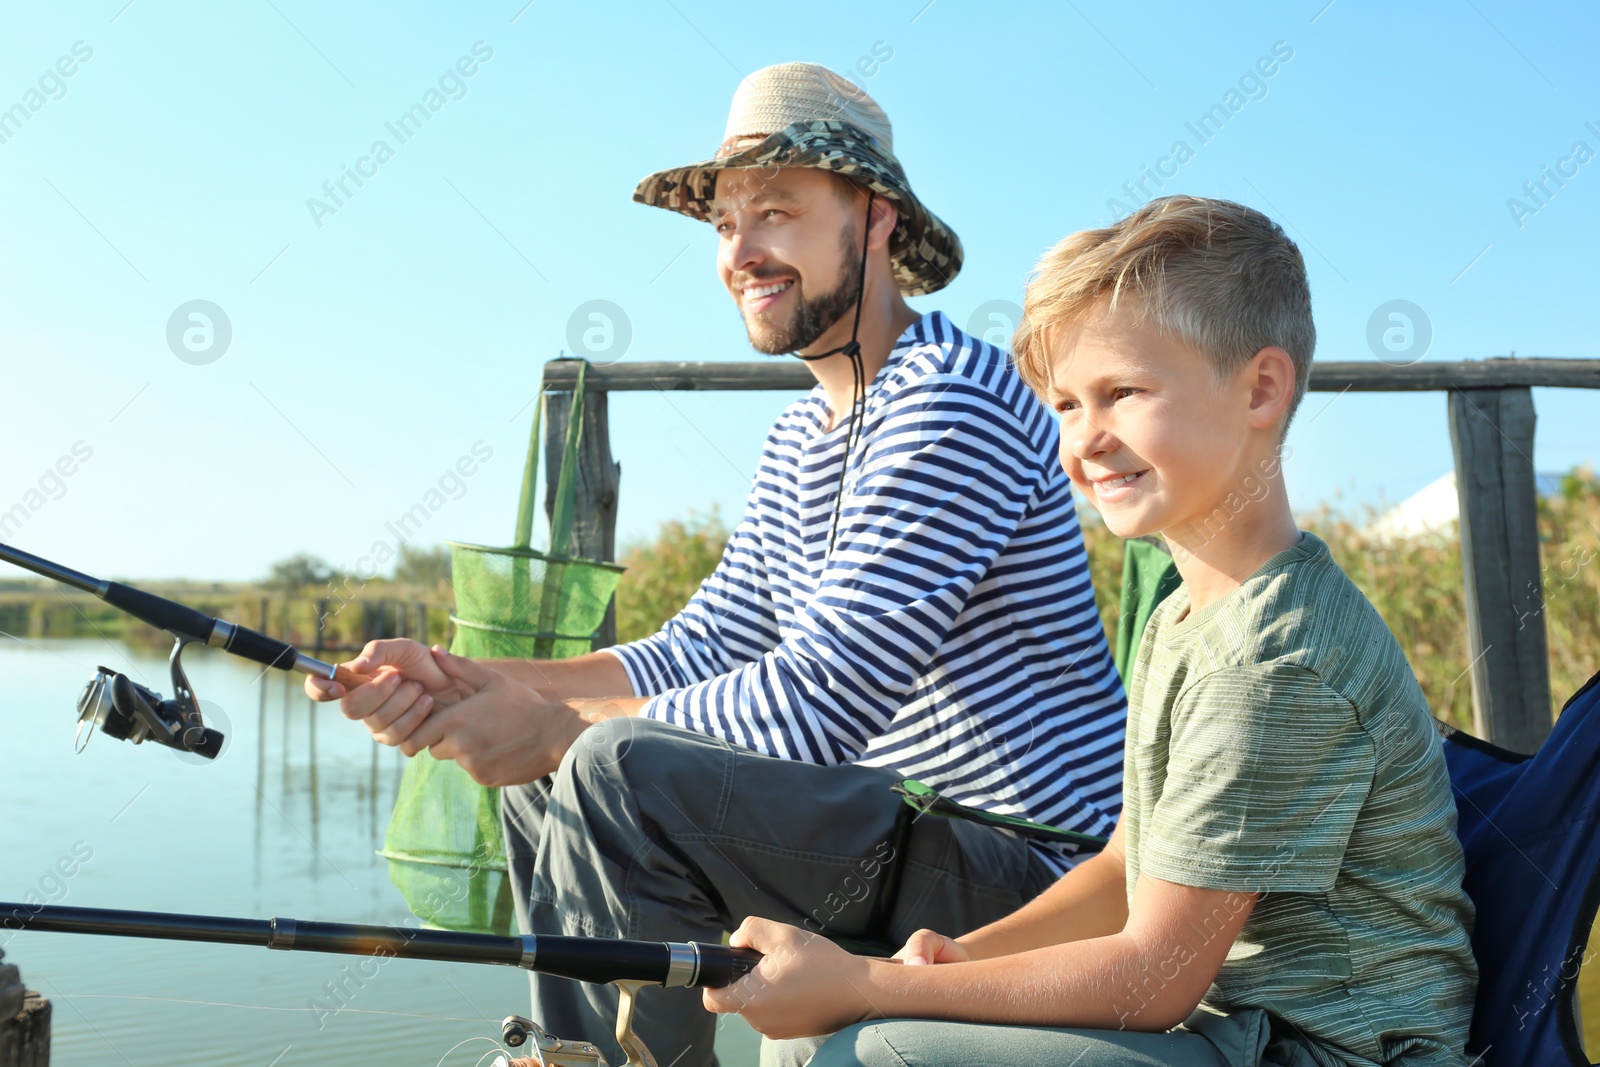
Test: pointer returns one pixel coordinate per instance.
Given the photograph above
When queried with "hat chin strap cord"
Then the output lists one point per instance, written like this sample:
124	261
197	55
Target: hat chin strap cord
858	396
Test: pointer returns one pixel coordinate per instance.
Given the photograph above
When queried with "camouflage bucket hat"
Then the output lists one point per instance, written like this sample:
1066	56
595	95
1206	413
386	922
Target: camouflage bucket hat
805	115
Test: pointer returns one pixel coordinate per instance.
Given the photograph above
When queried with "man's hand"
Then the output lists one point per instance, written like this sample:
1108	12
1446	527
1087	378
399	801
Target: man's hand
925	946
501	733
409	658
805	985
402	684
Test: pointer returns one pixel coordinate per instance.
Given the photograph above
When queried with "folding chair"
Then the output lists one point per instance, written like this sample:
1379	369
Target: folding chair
1528	825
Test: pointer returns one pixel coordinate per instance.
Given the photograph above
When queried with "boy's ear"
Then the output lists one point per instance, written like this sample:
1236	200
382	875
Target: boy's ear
1271	379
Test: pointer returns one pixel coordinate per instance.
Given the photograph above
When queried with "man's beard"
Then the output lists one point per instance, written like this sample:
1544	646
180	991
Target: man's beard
812	318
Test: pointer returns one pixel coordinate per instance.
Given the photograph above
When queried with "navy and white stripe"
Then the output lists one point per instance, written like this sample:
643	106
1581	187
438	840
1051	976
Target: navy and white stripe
952	635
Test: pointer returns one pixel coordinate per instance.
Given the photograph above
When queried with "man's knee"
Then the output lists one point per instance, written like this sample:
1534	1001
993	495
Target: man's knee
629	748
669	776
603	752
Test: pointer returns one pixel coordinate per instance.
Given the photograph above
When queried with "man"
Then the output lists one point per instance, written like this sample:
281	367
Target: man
906	595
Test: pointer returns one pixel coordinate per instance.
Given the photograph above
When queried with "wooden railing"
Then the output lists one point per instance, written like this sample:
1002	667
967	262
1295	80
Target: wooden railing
1491	433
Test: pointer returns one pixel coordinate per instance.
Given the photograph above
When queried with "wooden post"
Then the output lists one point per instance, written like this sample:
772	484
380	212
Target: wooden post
1491	434
594	512
24	1022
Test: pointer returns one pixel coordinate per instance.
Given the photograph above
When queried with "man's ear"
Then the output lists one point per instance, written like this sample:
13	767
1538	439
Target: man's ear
1271	377
885	216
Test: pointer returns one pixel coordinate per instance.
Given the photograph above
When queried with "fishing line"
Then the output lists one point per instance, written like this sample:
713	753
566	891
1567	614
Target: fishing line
498	1048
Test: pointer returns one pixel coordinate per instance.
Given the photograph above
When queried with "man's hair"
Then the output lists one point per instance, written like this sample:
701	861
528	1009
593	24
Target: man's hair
1219	276
847	189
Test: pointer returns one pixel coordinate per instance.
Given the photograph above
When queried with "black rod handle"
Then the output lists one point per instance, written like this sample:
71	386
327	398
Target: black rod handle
722	965
159	612
251	644
585	959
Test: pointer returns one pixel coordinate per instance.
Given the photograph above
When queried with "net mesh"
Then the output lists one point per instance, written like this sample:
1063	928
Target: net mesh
444	844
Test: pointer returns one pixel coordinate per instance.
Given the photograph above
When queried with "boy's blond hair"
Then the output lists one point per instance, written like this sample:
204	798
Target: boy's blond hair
1221	277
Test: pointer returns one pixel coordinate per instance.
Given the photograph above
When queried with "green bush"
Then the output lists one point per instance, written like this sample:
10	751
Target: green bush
1417	587
663	574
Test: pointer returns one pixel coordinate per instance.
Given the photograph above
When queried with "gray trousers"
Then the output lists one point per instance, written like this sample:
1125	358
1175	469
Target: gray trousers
654	832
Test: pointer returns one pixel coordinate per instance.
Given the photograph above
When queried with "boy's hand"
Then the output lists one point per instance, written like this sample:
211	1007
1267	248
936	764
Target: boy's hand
501	733
805	985
925	946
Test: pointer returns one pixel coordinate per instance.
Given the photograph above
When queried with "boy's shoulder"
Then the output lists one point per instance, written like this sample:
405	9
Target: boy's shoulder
1299	612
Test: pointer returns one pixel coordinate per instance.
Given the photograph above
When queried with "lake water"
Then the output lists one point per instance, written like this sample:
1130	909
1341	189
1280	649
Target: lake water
286	822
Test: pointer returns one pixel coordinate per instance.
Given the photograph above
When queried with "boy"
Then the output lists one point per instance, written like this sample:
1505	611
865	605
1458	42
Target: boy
1284	884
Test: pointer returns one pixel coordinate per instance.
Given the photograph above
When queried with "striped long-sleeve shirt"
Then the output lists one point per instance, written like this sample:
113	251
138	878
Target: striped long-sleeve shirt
952	633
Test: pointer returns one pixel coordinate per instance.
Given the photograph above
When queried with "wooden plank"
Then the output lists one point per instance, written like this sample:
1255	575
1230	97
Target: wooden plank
594	512
788	375
1464	374
1491	434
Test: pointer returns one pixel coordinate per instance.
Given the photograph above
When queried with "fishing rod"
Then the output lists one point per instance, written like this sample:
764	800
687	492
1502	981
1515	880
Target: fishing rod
630	965
129	711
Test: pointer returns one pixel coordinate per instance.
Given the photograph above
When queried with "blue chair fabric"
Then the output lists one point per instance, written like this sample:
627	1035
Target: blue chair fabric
1528	827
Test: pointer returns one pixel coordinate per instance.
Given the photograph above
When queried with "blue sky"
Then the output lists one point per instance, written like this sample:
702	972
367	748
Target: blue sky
375	345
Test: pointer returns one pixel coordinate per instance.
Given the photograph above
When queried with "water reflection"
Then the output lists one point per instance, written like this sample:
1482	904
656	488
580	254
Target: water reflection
290	829
306	782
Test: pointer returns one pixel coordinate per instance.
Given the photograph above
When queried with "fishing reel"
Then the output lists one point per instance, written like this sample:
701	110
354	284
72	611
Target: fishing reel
121	707
545	1048
551	1051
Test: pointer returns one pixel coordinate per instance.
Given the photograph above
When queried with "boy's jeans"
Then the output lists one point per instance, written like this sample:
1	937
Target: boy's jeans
1243	1039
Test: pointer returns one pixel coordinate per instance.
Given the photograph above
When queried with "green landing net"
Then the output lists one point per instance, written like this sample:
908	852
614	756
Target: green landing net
444	844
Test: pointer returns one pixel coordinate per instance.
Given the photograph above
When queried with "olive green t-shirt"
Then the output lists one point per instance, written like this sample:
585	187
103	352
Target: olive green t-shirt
1279	744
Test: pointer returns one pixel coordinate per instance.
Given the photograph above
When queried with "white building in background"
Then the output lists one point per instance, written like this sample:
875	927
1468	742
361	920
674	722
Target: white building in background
1433	510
